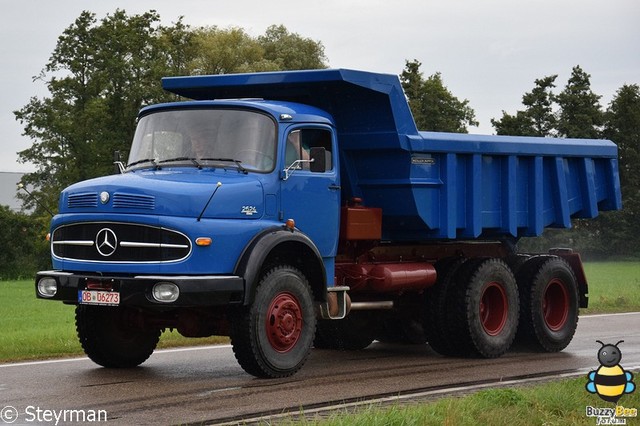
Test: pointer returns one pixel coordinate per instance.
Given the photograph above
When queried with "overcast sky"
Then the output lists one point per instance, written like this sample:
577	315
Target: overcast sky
488	51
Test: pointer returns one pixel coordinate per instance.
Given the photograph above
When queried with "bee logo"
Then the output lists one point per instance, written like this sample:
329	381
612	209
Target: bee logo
610	381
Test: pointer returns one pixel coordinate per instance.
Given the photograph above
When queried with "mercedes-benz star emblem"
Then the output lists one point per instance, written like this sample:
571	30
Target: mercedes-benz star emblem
106	242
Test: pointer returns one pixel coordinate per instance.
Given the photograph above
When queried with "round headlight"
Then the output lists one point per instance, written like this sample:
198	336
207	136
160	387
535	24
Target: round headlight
47	287
165	292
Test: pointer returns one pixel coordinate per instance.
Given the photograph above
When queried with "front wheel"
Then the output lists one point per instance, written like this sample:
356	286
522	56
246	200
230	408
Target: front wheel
109	340
273	336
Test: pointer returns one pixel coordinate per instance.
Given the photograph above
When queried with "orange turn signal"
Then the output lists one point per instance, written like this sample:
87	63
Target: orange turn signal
203	241
290	224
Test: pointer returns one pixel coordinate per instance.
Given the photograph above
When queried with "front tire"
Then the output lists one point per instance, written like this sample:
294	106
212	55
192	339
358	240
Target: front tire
272	337
109	340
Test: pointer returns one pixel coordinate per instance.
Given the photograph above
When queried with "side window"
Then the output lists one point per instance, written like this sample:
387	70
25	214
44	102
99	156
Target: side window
300	142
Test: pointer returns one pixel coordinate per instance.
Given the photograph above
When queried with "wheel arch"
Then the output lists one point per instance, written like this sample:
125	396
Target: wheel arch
278	245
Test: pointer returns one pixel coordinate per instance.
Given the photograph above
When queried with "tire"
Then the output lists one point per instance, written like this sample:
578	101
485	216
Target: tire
109	341
549	303
353	333
485	303
273	336
436	323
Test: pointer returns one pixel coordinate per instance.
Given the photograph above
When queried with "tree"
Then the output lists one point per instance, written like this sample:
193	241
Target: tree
580	113
291	51
225	51
622	125
232	50
538	119
433	106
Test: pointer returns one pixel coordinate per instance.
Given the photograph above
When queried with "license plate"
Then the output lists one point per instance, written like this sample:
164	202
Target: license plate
96	297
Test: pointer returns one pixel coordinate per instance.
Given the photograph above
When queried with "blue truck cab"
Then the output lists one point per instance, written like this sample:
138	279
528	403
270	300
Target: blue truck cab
297	209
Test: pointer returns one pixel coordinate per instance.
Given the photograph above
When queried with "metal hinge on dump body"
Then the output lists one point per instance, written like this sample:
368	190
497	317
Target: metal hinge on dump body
337	305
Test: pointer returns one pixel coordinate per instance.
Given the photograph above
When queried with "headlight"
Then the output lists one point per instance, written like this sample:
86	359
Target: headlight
165	292
47	287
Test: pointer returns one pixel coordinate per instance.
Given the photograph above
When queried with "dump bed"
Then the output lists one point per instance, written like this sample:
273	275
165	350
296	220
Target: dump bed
435	185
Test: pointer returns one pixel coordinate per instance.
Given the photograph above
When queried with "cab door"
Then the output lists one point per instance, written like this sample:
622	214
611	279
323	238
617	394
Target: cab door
312	198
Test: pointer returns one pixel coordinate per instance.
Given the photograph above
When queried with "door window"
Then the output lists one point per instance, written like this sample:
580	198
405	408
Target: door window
300	142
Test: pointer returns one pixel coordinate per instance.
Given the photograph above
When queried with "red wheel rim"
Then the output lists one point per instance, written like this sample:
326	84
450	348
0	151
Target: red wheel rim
284	322
555	305
493	309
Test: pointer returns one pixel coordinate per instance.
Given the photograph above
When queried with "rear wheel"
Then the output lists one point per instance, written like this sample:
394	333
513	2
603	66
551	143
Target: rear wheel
438	298
109	340
549	298
273	336
485	302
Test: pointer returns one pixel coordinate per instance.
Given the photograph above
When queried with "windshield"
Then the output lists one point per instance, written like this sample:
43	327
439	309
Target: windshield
205	137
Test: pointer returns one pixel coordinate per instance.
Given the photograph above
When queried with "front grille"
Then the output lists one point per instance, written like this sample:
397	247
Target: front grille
114	242
83	200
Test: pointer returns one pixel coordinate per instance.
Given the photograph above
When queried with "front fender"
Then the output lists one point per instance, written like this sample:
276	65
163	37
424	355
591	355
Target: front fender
269	246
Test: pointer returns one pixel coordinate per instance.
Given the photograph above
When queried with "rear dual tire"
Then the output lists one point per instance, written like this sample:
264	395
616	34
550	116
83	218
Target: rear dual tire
475	310
549	297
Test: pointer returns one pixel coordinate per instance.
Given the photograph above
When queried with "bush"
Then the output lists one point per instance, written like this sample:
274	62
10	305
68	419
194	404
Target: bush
24	248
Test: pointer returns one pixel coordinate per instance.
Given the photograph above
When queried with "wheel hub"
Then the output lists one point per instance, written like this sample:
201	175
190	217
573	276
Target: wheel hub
493	309
284	322
555	305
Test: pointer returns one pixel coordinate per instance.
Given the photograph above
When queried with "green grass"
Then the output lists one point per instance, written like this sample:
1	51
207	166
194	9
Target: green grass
556	403
34	329
613	287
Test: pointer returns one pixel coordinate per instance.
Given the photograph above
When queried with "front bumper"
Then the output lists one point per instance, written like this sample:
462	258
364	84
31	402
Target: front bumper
195	290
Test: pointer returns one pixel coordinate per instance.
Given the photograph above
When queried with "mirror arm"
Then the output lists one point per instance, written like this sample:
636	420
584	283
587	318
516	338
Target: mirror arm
294	166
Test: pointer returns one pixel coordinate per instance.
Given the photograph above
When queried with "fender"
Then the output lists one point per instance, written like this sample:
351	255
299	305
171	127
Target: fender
254	255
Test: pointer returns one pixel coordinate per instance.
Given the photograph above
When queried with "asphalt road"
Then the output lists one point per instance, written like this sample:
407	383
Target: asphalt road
205	384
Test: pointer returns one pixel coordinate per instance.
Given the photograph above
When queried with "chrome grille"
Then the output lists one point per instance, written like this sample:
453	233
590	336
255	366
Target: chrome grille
114	242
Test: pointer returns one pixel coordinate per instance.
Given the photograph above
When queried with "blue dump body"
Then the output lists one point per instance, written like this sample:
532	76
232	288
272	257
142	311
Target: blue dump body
435	185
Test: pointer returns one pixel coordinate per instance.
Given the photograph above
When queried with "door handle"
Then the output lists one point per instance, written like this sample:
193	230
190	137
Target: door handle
334	187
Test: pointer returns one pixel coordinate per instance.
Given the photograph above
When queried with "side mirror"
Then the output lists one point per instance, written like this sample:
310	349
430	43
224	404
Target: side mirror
118	166
318	162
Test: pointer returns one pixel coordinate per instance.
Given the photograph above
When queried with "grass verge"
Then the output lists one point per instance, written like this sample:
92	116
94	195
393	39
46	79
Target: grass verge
613	287
556	403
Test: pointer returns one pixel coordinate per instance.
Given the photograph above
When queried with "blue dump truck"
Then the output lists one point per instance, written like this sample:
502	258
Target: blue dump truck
296	209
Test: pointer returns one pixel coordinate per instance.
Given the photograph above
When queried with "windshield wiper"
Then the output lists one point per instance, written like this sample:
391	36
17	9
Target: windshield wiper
146	160
193	160
231	160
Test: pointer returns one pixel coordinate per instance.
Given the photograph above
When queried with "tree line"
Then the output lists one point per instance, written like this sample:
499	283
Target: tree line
101	72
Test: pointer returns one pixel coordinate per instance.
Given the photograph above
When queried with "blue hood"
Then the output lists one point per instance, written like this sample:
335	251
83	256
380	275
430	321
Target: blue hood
169	192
